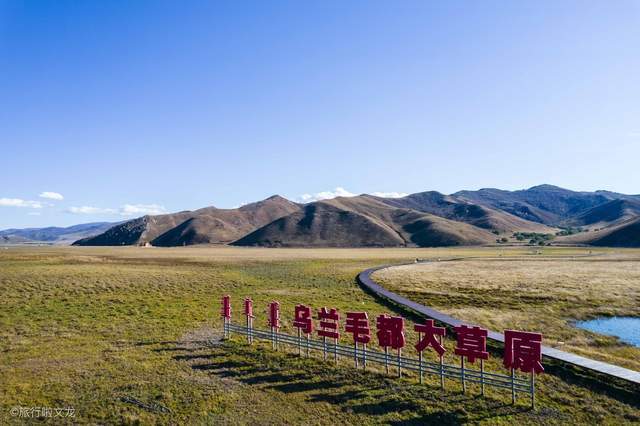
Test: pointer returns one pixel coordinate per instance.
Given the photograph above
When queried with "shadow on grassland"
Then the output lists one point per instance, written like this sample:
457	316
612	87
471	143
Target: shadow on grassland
391	400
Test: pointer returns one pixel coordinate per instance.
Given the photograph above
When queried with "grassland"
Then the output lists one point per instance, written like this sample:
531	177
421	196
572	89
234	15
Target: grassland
131	335
539	294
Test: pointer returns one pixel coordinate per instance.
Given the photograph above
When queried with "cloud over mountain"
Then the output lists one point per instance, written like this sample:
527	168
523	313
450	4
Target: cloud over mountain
326	195
392	194
341	192
128	210
90	210
141	209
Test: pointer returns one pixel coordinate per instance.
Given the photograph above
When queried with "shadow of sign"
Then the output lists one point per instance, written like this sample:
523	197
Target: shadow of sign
351	391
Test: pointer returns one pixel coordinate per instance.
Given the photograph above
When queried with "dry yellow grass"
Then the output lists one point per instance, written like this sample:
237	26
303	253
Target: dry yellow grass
95	328
229	253
537	294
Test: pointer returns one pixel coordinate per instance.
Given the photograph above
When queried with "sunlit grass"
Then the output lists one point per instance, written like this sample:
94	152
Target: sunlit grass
121	335
543	294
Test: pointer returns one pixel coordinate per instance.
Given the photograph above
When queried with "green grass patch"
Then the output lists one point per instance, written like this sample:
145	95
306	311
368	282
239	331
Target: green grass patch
124	336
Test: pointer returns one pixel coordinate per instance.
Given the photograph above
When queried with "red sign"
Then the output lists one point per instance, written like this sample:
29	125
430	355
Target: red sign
523	351
472	343
303	319
429	337
225	312
328	323
390	331
248	307
274	315
358	325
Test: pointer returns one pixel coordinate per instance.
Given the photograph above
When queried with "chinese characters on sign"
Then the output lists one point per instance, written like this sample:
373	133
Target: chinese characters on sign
225	313
274	322
427	333
328	328
472	345
248	312
390	335
522	350
358	325
303	321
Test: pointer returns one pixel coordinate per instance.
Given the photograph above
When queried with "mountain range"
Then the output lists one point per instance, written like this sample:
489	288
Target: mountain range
543	214
425	219
53	234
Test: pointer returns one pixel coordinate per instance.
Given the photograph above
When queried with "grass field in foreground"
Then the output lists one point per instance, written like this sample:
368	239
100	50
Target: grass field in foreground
539	294
123	335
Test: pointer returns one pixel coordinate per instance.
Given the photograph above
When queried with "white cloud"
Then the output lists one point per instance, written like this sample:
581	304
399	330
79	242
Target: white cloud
17	202
390	194
341	192
125	210
51	195
90	210
326	195
141	209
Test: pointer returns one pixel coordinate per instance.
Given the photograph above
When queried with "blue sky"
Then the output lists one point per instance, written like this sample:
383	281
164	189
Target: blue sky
127	107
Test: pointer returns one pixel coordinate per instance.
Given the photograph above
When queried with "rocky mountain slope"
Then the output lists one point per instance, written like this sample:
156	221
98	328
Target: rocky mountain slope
207	225
211	225
607	214
423	219
626	234
458	209
363	222
545	204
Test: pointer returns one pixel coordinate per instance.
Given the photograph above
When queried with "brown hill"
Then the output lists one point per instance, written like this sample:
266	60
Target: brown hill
625	234
137	231
424	219
322	225
211	225
452	208
546	204
607	214
363	222
207	225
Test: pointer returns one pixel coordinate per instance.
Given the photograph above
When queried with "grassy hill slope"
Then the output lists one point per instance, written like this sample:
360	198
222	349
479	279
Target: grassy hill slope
207	225
546	204
213	225
363	222
626	234
456	209
607	214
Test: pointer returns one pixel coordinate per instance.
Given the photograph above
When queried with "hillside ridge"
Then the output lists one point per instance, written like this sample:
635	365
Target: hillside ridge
428	218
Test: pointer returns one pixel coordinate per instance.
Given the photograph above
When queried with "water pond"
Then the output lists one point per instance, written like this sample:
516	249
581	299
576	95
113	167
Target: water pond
626	329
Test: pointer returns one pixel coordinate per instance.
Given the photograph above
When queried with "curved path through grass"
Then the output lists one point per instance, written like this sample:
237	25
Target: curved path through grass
554	354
